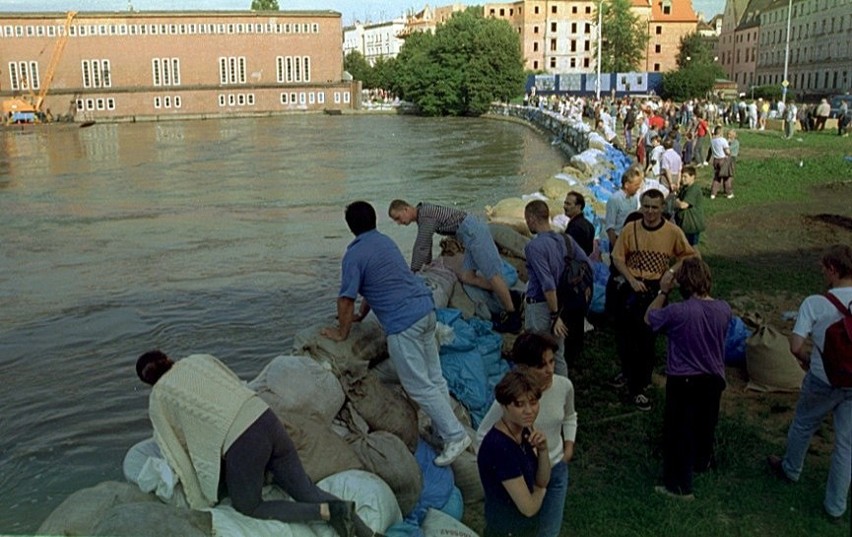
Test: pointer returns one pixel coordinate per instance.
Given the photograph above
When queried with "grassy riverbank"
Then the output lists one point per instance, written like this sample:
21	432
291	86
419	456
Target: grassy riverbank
763	247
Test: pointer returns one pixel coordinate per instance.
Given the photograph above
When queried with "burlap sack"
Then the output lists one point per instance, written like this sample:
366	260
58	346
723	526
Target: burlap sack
467	479
382	408
385	455
301	386
321	451
770	364
366	342
508	239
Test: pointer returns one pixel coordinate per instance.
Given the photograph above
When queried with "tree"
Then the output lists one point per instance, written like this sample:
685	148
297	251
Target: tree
624	37
356	65
264	5
467	64
697	70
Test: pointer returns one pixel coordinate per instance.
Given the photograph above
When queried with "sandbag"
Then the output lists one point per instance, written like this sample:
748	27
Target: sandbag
440	280
81	511
382	408
153	519
321	450
506	208
508	239
519	225
145	466
455	505
438	524
460	301
437	483
466	473
366	342
300	385
376	503
556	189
771	366
385	455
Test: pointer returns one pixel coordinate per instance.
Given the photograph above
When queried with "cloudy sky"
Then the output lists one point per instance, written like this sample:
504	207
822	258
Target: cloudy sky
363	10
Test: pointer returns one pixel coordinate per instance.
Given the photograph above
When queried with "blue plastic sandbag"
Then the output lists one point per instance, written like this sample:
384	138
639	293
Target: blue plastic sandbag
735	341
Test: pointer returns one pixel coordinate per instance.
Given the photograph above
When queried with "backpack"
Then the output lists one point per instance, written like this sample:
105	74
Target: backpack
837	350
575	285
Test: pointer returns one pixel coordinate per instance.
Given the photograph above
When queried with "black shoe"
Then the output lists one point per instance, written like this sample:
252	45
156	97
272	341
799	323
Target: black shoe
341	517
508	323
775	466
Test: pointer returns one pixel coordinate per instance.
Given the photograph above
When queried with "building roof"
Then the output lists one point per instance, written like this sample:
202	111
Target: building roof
680	11
751	16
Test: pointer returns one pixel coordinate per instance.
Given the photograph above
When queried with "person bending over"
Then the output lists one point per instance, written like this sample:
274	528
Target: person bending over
206	420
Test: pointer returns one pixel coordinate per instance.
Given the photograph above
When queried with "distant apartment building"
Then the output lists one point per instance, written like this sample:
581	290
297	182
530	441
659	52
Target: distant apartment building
820	59
753	44
375	40
429	18
560	36
136	64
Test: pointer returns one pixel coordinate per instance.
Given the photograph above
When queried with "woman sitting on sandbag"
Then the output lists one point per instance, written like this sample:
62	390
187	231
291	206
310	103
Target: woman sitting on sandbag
514	464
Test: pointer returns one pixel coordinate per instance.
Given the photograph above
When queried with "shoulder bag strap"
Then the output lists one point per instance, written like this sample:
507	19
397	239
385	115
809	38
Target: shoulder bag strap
844	310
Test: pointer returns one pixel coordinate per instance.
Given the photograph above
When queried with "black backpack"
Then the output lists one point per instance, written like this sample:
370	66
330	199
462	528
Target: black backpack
575	285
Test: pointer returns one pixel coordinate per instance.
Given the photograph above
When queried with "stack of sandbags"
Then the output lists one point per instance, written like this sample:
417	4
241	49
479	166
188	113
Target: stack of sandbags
366	342
509	211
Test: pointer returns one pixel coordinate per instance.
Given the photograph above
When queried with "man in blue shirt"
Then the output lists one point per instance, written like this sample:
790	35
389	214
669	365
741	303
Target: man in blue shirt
374	267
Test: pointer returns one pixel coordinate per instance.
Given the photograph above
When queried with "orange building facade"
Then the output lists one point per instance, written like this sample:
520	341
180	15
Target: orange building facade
560	36
153	65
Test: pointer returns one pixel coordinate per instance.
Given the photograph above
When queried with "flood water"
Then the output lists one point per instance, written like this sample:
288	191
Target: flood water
216	236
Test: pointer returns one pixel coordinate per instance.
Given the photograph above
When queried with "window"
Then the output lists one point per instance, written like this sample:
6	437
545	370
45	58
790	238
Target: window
167	102
573	62
303	98
574	9
101	104
552	45
552	26
336	97
241	99
535	46
535	65
588	10
586	63
535	29
157	102
221	100
573	27
346	96
232	100
553	9
321	97
535	10
552	62
250	99
656	67
658	48
232	70
90	104
283	98
292	98
667	7
311	98
80	105
573	45
110	103
658	30
588	28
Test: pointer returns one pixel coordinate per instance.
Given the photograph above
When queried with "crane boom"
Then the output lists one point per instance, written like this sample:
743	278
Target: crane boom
54	60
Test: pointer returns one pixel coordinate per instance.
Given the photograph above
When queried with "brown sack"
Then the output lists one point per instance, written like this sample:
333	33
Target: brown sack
771	366
385	455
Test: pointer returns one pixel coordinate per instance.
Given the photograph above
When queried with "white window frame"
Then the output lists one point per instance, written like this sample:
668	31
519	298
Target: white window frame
283	98
176	100
101	103
321	97
110	103
167	101
221	99
232	100
250	99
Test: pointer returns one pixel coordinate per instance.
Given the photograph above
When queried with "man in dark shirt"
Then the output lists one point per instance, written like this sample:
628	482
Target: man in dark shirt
580	229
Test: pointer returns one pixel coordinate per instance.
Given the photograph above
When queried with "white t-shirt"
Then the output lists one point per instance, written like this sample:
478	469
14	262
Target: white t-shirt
816	314
718	146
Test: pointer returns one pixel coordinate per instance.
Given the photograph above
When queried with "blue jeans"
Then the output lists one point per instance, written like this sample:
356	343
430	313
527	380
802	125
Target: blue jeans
480	252
816	400
553	505
537	319
414	354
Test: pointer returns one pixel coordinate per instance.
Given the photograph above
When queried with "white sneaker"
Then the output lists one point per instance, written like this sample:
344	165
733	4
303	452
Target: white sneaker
730	196
712	197
451	452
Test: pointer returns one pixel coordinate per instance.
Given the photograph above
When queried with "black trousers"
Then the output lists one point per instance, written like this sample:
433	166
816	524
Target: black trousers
689	428
634	339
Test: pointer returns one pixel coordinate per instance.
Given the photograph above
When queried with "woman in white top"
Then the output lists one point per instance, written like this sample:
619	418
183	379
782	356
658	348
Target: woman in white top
557	419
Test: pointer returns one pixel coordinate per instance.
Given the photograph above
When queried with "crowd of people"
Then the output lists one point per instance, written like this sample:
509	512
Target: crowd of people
214	430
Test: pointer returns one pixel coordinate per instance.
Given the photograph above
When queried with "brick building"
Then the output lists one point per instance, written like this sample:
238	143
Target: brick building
668	22
132	65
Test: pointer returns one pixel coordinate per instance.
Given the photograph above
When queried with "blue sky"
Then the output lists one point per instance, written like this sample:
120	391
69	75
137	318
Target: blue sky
364	10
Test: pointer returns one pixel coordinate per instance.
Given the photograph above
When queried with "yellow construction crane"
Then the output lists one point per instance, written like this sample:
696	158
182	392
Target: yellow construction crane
54	61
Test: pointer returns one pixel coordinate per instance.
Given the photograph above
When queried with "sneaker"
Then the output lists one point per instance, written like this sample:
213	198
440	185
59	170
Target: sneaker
641	402
712	196
508	323
618	381
660	489
451	452
777	469
730	196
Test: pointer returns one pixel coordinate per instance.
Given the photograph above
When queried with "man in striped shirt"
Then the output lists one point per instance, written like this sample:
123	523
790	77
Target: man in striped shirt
480	252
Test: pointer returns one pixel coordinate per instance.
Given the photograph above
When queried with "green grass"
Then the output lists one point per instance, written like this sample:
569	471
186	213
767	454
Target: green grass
617	460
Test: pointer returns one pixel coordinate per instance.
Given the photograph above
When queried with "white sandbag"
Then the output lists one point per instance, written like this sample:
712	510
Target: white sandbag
570	179
228	522
439	524
376	504
385	455
366	342
145	466
300	385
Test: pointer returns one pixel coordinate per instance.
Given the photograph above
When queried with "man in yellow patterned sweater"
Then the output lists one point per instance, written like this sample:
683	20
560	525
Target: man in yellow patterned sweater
206	420
643	252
